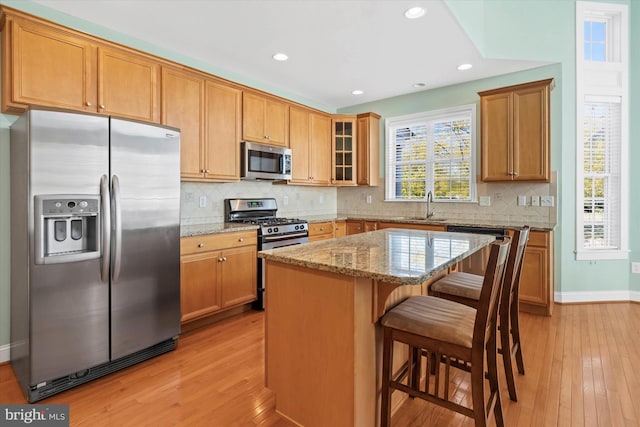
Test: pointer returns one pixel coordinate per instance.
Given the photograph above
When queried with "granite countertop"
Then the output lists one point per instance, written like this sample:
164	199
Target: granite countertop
213	228
502	223
402	256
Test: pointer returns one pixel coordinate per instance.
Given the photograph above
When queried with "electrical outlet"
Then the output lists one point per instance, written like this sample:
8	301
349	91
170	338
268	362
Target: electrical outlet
203	201
285	200
485	201
535	200
546	201
522	200
321	199
635	267
369	199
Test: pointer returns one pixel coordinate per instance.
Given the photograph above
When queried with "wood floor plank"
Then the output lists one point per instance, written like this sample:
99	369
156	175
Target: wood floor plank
580	371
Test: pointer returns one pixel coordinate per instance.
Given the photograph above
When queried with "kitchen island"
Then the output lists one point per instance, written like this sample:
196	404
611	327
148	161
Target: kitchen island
323	341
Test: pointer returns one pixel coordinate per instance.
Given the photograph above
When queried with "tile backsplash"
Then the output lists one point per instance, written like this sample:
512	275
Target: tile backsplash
301	201
293	201
503	203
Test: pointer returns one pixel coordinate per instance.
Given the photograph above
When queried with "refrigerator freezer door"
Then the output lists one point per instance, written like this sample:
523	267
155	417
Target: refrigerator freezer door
68	302
145	255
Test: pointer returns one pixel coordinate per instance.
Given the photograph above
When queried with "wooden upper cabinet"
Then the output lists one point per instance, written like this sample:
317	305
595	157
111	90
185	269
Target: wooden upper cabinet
223	121
265	120
343	140
46	66
128	85
208	114
310	141
183	108
320	152
368	149
515	132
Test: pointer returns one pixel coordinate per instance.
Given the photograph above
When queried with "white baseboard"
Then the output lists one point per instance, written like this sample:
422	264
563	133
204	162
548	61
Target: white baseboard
4	353
596	296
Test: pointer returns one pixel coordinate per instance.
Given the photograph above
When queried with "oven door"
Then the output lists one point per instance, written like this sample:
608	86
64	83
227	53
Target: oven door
275	242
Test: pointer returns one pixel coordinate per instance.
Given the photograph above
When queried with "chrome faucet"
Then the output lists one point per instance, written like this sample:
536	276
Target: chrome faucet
428	214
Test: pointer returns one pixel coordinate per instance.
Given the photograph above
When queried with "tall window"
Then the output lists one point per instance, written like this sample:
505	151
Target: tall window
602	130
432	151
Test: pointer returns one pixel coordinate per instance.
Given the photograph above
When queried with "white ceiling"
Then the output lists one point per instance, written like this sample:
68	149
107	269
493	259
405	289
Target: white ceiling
334	46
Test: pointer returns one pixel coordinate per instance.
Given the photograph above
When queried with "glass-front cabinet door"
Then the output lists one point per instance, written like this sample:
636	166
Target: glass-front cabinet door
344	150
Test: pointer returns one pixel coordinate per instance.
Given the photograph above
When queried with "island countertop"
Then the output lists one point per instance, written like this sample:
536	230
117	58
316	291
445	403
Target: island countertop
400	256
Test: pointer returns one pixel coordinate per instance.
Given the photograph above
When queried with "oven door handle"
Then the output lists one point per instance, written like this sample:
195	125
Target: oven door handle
285	237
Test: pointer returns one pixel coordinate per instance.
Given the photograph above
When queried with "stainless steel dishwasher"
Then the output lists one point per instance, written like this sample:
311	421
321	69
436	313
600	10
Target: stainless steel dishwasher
477	263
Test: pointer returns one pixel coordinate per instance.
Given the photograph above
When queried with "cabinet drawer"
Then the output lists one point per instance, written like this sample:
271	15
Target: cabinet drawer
317	228
212	242
539	238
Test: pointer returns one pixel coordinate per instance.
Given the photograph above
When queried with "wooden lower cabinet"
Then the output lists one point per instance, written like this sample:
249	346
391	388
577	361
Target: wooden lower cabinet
321	231
536	279
340	228
428	227
354	227
217	272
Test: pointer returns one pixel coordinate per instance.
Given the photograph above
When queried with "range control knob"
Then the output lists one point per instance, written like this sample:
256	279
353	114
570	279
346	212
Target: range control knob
83	204
269	230
275	230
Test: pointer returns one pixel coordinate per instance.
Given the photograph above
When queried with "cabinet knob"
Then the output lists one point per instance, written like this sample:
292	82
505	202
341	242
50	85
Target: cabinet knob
241	239
88	104
224	258
219	259
102	106
321	228
206	171
201	245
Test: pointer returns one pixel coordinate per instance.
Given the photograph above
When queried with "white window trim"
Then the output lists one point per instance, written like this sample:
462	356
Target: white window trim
430	115
620	42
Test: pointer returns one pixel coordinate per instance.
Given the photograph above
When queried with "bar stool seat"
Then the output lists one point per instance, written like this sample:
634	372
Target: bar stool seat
434	318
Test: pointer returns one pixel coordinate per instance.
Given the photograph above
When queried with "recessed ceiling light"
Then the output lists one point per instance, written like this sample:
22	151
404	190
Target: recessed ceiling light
415	12
280	56
419	85
464	67
357	92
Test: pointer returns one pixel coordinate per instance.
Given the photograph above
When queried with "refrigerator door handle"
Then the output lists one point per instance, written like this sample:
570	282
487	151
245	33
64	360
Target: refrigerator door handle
117	225
105	217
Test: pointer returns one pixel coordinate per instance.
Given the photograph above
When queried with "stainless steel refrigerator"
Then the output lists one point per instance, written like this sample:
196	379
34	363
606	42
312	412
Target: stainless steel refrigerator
95	246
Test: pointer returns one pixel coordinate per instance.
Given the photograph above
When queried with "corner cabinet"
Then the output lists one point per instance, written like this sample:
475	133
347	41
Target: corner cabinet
515	132
217	272
368	136
208	115
45	64
265	119
344	143
310	142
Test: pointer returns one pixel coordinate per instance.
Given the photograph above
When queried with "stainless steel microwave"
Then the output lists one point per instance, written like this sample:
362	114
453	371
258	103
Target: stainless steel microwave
260	161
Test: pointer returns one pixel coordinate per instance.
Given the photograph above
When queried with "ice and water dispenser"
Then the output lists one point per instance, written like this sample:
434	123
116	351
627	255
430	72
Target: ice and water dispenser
67	228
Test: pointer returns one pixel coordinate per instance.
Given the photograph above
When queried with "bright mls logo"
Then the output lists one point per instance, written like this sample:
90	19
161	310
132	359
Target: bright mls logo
37	415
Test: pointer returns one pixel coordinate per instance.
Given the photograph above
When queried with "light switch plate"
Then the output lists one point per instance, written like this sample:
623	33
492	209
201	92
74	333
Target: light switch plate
635	267
368	199
546	201
203	201
522	200
485	200
285	200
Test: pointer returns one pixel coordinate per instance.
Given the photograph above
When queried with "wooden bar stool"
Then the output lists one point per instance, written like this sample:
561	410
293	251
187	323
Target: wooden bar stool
465	288
452	334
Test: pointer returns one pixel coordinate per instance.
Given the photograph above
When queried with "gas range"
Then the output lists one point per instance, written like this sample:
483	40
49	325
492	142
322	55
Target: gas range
262	212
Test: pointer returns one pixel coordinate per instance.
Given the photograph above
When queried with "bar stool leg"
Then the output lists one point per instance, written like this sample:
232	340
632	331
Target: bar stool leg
387	358
515	335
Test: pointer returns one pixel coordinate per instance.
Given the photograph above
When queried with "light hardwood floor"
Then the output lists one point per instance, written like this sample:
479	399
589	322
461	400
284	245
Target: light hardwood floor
580	371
